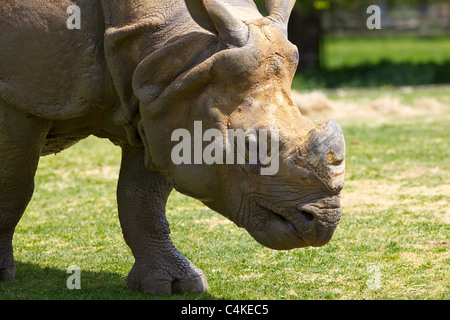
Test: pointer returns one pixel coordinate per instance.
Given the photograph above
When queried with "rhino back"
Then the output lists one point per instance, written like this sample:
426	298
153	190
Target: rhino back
48	69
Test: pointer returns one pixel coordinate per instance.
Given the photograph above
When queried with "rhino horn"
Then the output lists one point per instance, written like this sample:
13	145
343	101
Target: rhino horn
324	150
279	12
215	17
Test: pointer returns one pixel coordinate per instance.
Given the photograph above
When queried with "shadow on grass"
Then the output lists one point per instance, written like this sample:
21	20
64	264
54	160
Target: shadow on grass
384	73
36	283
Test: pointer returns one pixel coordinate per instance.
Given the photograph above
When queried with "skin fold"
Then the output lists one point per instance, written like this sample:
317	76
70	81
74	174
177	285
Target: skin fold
135	72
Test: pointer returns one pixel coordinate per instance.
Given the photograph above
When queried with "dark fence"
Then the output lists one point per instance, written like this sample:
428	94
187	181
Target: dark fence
427	18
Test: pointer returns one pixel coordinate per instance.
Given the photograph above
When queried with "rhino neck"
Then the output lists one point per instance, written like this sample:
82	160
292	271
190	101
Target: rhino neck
155	37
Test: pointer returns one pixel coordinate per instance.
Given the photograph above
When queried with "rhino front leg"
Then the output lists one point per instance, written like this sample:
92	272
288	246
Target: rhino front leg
21	139
159	267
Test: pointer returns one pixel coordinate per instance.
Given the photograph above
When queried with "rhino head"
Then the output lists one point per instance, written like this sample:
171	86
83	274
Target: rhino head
235	73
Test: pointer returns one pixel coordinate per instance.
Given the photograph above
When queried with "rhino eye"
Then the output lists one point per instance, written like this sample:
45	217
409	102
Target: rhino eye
258	147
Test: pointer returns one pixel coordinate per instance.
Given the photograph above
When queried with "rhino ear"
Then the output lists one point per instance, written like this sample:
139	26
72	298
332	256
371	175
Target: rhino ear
279	12
215	17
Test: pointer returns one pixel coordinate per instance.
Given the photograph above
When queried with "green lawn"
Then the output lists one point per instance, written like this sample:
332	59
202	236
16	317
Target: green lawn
379	61
353	51
392	242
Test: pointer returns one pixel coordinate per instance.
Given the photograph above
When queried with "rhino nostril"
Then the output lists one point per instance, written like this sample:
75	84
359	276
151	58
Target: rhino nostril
307	215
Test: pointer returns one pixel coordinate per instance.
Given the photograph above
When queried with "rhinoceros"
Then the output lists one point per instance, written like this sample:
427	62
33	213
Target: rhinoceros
134	72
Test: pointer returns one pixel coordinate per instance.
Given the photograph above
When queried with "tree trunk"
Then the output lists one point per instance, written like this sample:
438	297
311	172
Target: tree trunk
305	31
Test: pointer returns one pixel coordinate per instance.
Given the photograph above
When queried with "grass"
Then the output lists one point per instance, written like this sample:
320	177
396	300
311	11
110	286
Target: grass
379	61
392	241
396	49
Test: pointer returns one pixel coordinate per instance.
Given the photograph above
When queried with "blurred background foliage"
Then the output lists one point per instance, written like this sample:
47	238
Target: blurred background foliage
338	50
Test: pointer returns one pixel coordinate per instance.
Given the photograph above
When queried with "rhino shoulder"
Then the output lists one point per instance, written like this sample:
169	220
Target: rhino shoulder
47	69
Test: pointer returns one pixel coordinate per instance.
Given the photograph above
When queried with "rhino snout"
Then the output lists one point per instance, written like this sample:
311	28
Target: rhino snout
298	226
317	225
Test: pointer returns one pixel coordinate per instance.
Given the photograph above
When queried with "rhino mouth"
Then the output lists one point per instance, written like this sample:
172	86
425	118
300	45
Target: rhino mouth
297	227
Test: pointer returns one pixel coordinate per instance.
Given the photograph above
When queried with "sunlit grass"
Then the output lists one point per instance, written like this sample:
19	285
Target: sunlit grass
352	51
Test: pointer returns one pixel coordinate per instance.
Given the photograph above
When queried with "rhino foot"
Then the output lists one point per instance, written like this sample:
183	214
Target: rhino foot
7	265
159	275
162	281
7	274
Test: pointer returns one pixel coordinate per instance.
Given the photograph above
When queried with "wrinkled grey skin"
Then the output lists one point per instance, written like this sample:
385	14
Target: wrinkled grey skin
136	71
